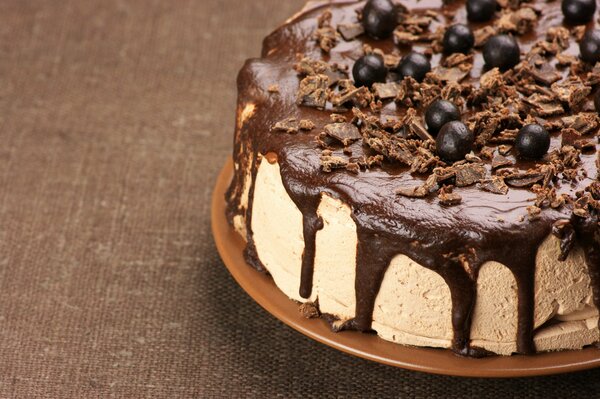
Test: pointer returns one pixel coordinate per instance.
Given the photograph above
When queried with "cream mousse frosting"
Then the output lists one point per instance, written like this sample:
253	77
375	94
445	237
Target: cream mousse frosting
521	287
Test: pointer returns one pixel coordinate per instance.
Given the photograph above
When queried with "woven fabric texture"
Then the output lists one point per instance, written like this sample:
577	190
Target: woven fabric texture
115	118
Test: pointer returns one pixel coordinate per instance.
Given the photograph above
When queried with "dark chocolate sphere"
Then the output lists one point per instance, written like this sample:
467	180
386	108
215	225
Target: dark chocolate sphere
368	70
415	65
454	141
532	141
501	51
481	10
458	39
589	47
578	12
379	18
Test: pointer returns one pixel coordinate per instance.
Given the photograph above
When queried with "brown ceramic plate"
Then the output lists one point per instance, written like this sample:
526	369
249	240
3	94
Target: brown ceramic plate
438	361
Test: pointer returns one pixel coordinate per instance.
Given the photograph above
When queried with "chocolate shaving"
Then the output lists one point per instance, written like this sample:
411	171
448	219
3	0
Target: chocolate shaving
415	126
313	91
520	21
487	152
350	31
544	105
292	125
403	37
391	61
329	162
370	161
345	133
593	192
494	126
444	173
569	136
483	34
564	231
360	96
581	208
584	123
584	145
413	28
504	149
447	197
570	156
337	118
571	91
495	185
324	141
505	136
578	32
423	161
386	91
353	167
470	157
533	212
309	67
309	310
565	59
411	93
500	161
560	36
453	74
458	60
453	92
326	35
412	192
421	191
547	197
491	80
469	174
545	74
305	124
523	179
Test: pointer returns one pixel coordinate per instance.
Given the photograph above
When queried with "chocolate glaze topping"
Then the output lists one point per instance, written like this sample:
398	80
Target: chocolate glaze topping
454	241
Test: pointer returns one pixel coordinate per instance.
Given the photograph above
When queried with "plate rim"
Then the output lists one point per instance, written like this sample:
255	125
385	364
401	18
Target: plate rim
261	288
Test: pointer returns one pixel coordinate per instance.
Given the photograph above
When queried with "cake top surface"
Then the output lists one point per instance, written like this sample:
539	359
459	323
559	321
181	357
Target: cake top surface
388	166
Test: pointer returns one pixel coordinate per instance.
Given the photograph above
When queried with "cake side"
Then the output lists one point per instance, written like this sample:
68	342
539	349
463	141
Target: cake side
413	306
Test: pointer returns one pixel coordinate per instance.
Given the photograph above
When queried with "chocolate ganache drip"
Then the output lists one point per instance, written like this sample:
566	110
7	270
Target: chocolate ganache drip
368	146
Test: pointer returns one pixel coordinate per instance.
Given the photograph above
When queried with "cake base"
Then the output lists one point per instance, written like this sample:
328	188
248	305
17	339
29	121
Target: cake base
369	346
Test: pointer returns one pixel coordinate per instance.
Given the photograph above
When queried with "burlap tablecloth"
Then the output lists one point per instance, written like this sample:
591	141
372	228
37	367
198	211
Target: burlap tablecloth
115	118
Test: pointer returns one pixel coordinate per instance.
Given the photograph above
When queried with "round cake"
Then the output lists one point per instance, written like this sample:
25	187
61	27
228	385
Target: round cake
428	170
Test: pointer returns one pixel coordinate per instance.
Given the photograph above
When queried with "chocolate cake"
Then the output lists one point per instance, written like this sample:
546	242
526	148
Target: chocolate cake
428	171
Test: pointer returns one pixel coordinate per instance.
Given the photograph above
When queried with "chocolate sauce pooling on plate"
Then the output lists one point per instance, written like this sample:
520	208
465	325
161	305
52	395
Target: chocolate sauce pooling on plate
453	241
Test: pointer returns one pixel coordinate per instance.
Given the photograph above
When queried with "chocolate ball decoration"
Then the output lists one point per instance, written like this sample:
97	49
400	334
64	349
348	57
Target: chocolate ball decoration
454	141
589	47
415	65
379	18
458	39
501	51
532	141
368	70
578	12
481	10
